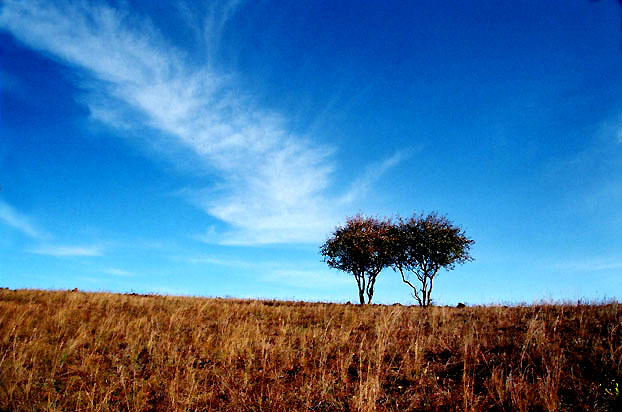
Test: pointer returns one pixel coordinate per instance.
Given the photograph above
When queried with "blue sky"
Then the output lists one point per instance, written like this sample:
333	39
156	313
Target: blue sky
209	148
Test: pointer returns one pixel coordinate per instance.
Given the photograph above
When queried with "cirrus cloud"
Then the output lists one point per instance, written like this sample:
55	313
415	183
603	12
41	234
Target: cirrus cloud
273	184
20	222
68	250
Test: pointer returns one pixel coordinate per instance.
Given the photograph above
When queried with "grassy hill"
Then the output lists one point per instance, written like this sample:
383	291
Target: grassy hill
72	351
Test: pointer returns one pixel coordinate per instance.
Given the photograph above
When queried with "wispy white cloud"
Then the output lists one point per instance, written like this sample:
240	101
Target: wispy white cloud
279	272
371	175
20	222
273	184
118	272
311	279
220	261
591	265
68	250
591	177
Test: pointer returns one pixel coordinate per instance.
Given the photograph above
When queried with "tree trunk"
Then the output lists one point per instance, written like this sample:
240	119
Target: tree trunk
360	282
370	290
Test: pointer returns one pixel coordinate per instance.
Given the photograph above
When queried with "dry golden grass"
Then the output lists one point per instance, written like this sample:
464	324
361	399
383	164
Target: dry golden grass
63	351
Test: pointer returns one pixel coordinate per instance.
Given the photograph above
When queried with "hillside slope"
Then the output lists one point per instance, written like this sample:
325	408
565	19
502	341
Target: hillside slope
62	351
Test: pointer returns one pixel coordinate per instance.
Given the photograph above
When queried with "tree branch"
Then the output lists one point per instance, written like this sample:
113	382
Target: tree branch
405	280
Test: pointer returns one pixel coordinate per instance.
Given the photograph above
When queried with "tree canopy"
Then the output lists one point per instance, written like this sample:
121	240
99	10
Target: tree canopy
419	246
422	246
363	248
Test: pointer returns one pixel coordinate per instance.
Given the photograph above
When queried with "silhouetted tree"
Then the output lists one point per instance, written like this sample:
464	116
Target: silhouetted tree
424	244
361	247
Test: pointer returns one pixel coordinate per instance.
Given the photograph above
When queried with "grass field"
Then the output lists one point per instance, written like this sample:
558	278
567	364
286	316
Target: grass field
73	351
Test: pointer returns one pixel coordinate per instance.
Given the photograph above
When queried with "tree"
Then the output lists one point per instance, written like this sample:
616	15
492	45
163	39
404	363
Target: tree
361	247
423	245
